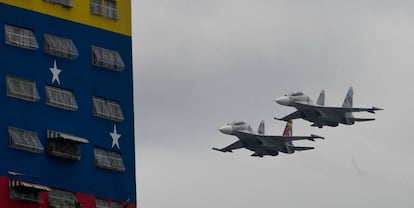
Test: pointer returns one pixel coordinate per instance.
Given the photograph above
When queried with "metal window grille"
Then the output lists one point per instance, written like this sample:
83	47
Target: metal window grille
59	46
63	148
115	111
101	158
61	199
110	10
99	107
107	109
60	98
116	161
24	140
24	194
22	88
20	37
108	159
106	58
64	145
96	7
19	190
103	203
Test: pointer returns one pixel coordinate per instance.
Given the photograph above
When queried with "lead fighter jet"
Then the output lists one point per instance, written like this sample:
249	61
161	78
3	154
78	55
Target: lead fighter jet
319	114
260	143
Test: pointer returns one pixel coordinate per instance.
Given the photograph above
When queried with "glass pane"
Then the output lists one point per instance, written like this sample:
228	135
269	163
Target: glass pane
99	107
61	199
106	58
20	37
59	46
101	203
115	110
61	98
101	158
116	161
110	9
24	140
21	88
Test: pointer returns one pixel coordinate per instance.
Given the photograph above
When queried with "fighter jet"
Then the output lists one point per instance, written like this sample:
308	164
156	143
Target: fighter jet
260	143
319	114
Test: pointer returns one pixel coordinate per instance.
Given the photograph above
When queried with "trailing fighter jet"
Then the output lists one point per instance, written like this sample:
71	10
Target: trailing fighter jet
260	143
319	114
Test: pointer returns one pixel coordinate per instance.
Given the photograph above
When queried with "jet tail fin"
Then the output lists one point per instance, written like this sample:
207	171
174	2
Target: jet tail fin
288	129
348	99
321	98
261	128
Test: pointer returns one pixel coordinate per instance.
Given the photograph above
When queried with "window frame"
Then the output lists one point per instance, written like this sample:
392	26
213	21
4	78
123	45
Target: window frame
59	198
106	203
27	192
64	145
108	109
108	159
107	58
60	46
19	36
60	98
63	149
104	8
110	9
13	90
16	134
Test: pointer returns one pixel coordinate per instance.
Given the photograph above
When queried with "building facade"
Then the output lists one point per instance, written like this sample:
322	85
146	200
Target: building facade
66	91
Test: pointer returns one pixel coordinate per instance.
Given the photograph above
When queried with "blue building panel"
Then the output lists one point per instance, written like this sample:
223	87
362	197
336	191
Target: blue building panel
85	81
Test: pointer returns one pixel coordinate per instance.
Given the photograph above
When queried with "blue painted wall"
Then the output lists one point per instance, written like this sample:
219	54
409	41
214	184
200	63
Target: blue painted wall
85	81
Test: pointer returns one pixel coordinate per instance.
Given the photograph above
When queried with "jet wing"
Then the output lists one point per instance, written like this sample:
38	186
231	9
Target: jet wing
277	139
297	148
294	115
312	137
235	145
339	110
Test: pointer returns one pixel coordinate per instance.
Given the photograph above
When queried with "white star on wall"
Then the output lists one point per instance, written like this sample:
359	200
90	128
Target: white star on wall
55	71
115	137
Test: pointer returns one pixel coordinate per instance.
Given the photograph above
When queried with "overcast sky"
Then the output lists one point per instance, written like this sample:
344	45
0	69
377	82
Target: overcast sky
201	64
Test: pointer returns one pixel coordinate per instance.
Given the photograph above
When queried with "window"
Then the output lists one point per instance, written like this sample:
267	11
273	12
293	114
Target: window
102	203
105	8
20	37
22	88
59	46
107	109
60	98
106	58
110	9
62	199
24	140
64	145
24	191
96	7
108	159
65	3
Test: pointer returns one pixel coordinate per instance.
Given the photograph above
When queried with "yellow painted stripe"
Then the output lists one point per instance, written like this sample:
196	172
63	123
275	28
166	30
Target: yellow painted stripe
81	13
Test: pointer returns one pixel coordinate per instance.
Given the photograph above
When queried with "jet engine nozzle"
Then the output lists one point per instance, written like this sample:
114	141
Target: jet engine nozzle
284	100
226	129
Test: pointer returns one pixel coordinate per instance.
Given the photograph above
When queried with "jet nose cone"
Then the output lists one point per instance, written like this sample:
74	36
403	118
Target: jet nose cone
227	129
283	100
